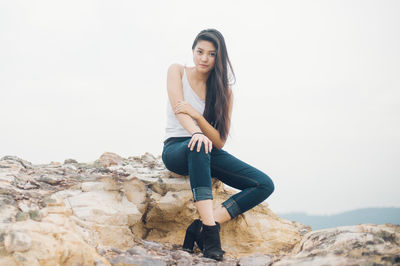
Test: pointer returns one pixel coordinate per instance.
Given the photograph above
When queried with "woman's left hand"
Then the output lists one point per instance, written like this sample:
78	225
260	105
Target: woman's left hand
183	107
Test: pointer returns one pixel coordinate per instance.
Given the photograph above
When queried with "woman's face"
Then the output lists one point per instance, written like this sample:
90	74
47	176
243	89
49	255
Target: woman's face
204	55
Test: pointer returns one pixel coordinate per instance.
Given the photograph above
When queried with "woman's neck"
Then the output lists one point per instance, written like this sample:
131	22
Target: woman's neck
198	77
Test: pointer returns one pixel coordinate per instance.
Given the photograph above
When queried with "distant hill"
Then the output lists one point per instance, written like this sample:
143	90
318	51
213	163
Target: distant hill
359	216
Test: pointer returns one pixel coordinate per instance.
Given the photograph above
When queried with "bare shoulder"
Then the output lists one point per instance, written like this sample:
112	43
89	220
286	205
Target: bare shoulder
176	68
174	83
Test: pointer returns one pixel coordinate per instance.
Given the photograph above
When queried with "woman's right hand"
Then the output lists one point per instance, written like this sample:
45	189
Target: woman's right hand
200	138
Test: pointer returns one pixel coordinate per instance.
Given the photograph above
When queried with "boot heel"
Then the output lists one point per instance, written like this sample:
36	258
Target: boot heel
192	235
188	243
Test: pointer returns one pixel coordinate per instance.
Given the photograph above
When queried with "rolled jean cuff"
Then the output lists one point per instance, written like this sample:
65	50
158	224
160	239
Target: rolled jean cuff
232	207
202	193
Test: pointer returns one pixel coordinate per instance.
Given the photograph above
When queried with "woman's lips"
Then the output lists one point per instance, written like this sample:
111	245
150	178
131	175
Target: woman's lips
203	65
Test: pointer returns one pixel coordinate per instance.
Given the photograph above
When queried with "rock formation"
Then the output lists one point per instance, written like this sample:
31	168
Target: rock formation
132	211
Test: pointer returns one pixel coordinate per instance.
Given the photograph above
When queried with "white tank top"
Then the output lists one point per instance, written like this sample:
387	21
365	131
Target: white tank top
174	128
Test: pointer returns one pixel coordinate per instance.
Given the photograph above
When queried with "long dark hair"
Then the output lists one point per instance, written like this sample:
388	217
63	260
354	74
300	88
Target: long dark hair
217	92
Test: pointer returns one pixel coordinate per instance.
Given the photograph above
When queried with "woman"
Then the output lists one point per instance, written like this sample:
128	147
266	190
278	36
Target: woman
199	118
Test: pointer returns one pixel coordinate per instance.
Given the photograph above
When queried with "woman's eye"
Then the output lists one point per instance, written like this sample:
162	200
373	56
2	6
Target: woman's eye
199	52
212	54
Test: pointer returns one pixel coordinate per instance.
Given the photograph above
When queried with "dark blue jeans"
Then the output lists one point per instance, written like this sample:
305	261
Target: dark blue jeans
255	185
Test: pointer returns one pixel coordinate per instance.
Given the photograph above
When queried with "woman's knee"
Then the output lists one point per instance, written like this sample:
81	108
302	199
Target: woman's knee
199	152
267	185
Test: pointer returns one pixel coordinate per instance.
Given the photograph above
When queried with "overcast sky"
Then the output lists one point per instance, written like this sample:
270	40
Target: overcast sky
317	97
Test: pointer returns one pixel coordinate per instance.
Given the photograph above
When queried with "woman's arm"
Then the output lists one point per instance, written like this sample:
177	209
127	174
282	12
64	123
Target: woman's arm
175	94
209	130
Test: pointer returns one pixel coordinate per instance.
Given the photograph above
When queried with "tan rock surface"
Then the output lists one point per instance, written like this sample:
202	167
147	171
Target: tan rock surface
127	211
109	158
34	243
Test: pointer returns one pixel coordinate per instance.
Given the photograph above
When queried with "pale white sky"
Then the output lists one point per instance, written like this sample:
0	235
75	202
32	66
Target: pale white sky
317	98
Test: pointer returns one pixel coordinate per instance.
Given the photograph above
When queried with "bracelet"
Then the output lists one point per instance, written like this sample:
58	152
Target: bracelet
197	133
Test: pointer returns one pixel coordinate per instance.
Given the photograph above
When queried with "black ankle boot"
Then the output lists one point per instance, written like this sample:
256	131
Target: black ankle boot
212	242
192	235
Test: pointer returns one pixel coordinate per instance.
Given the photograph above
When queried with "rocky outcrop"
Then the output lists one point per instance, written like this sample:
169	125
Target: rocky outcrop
364	244
132	211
